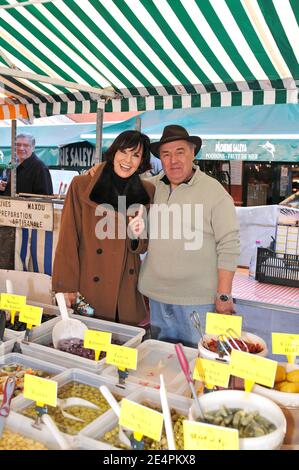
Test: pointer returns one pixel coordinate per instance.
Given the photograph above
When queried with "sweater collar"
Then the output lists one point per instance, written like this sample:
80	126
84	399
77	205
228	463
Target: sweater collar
190	181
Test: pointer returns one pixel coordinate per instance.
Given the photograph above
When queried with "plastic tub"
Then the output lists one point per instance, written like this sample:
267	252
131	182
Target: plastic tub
96	430
248	402
130	336
285	399
22	425
35	364
155	358
81	442
127	335
207	354
44	328
83	377
7	345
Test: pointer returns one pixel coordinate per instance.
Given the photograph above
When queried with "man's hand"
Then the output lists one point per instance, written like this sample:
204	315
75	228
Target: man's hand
70	298
136	224
224	307
92	171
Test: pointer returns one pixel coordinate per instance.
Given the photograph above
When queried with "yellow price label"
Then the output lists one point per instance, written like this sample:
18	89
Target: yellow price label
12	302
201	436
141	419
42	391
212	372
31	315
218	324
97	340
122	357
253	368
287	344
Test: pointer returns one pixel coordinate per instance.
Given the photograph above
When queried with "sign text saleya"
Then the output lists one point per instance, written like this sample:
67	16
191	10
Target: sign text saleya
80	154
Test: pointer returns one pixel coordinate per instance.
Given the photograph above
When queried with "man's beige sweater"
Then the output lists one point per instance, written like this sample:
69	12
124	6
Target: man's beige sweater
173	274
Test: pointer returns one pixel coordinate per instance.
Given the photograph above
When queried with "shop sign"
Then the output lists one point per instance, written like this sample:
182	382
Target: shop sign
78	154
269	150
26	214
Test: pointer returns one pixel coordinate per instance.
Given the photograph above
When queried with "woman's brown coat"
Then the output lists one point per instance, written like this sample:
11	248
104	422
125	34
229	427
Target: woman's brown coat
104	271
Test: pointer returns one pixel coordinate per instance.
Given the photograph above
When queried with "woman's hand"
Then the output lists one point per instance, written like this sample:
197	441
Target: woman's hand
70	298
136	224
3	185
92	171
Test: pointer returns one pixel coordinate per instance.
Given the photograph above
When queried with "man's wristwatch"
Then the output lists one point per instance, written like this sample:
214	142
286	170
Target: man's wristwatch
224	297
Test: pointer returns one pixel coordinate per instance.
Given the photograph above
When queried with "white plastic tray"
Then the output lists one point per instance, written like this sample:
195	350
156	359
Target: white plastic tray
22	425
15	358
84	377
155	358
96	430
81	442
128	335
44	328
7	345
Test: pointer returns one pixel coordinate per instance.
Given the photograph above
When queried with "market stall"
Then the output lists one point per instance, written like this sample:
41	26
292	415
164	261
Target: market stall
55	60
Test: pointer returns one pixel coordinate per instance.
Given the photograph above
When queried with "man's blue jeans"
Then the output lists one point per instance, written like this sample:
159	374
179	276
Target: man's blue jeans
172	323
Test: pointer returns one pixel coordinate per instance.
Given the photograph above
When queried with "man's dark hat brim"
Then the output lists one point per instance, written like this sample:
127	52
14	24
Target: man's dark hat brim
172	133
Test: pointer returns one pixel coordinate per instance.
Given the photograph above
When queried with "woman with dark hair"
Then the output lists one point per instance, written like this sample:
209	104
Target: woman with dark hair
95	256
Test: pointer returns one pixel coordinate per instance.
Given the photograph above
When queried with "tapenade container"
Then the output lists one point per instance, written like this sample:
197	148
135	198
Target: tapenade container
248	402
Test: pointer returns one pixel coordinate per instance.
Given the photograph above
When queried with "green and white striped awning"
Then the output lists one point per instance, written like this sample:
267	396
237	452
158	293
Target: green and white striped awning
146	54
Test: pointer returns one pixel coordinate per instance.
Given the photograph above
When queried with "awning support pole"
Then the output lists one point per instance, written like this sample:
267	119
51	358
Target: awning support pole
138	124
99	131
13	171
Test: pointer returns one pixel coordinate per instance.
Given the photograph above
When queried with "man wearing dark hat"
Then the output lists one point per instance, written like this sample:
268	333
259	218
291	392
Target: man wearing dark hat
177	276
